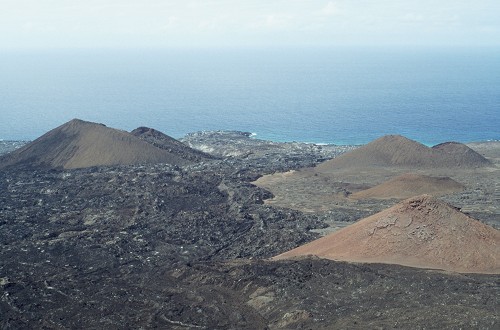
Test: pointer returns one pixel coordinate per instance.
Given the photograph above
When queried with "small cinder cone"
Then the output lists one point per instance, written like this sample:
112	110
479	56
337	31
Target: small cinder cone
409	185
399	151
79	144
418	232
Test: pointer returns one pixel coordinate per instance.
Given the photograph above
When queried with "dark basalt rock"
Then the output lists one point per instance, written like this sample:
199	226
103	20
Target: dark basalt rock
201	211
163	246
66	229
242	145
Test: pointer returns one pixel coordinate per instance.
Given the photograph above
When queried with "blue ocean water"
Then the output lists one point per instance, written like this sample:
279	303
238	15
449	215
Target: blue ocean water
336	95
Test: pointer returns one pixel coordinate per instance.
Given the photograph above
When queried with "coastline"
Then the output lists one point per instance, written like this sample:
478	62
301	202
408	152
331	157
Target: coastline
249	139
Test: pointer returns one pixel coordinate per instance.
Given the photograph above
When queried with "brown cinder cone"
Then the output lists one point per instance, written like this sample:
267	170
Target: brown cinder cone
419	232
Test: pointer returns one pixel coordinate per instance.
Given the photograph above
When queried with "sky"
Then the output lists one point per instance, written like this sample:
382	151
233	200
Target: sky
47	24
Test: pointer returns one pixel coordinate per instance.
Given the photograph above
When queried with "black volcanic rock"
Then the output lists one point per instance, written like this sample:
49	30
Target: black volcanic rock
61	231
270	154
209	216
169	247
299	294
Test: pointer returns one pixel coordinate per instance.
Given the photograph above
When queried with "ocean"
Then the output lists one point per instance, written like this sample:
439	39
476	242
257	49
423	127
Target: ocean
320	95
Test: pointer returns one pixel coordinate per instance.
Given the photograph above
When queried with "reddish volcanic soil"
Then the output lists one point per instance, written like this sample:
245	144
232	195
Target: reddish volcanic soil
419	232
409	185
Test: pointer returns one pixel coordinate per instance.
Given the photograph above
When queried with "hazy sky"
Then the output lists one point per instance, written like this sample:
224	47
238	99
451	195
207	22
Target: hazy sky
241	23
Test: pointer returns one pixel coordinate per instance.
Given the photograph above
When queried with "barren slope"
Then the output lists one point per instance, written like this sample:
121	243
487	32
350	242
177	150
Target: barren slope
398	151
163	141
79	144
418	232
409	185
